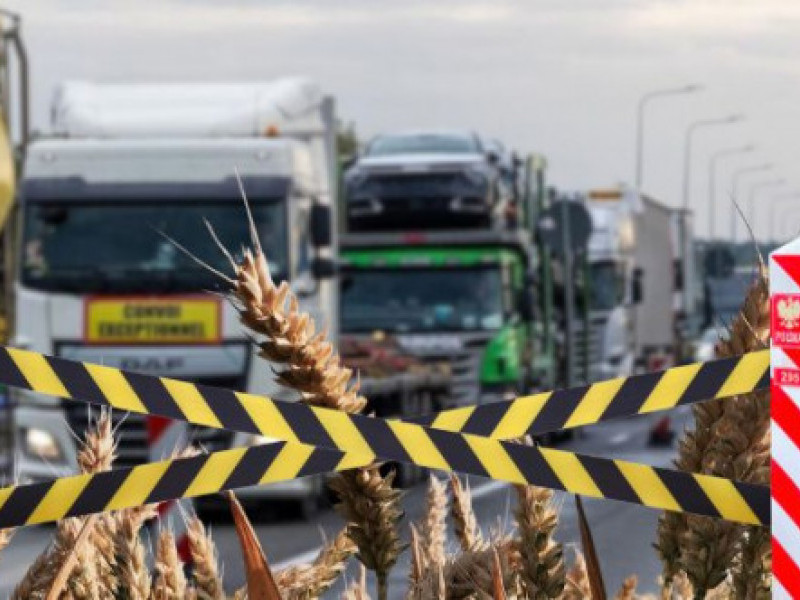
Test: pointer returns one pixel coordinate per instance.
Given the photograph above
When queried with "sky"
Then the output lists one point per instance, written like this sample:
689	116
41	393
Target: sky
559	77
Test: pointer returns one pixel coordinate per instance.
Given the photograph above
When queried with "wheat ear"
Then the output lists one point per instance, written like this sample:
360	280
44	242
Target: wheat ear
371	506
133	576
312	581
465	525
207	580
628	589
5	538
577	580
307	362
169	582
541	565
432	527
358	589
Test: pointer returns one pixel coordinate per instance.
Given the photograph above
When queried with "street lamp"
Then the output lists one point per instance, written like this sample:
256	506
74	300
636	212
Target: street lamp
754	189
777	200
737	177
687	151
712	182
687	89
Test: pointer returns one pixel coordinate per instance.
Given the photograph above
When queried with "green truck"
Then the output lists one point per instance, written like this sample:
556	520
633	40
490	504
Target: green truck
483	301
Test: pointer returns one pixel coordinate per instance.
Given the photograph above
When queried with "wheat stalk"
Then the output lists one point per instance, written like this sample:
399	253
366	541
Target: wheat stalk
309	363
133	576
207	580
471	573
465	525
371	506
628	589
169	582
577	585
541	565
91	563
432	527
5	538
312	581
358	589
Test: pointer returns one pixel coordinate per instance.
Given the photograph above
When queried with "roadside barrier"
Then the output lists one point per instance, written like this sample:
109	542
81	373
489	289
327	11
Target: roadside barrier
318	440
784	271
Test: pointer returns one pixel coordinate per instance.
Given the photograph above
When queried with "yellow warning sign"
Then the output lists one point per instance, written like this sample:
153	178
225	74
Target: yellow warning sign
136	320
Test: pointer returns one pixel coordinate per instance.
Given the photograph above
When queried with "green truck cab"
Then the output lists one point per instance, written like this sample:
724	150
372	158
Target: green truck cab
464	298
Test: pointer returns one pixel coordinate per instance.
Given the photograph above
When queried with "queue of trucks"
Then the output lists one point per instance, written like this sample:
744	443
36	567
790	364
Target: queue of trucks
438	240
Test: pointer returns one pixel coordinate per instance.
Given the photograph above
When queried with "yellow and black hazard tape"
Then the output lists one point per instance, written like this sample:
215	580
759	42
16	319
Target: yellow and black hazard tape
534	414
359	439
280	461
610	399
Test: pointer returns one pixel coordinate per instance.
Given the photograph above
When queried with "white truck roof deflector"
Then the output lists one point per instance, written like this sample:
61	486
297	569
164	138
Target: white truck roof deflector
284	106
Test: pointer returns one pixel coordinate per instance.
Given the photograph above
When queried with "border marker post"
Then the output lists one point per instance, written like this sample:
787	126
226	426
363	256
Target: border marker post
784	276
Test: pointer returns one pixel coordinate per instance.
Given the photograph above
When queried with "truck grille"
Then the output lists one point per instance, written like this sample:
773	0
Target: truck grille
131	429
465	366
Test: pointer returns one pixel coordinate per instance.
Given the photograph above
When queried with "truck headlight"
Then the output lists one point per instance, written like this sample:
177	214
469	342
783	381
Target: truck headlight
42	444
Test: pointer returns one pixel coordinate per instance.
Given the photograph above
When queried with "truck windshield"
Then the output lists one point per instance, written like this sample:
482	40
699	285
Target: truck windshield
118	247
606	285
422	299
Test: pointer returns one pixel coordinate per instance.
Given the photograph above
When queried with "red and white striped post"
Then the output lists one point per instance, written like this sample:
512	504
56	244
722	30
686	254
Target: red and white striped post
784	274
164	438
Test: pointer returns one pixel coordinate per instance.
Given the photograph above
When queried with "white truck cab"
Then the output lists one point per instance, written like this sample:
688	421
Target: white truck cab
612	272
99	281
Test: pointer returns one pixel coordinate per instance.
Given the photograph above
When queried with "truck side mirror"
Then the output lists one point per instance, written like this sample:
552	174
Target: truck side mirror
637	286
492	157
323	267
320	225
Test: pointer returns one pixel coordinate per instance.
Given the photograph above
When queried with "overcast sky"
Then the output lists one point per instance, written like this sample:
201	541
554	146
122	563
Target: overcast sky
561	77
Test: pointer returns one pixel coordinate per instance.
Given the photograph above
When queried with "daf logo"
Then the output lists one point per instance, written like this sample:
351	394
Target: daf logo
151	364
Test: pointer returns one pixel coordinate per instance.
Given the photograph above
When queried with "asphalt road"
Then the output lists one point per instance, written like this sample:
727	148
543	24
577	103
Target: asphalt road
623	533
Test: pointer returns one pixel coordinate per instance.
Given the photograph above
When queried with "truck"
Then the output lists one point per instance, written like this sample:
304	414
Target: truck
127	165
480	299
632	291
463	298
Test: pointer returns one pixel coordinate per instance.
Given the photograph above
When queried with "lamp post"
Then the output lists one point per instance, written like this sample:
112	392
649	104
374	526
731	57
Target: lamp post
643	101
776	201
687	151
754	189
736	178
712	184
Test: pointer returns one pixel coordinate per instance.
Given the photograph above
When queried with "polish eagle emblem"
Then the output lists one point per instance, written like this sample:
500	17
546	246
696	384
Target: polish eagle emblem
789	312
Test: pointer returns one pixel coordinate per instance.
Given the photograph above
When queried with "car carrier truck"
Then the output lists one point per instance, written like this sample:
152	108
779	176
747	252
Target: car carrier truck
97	280
479	299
